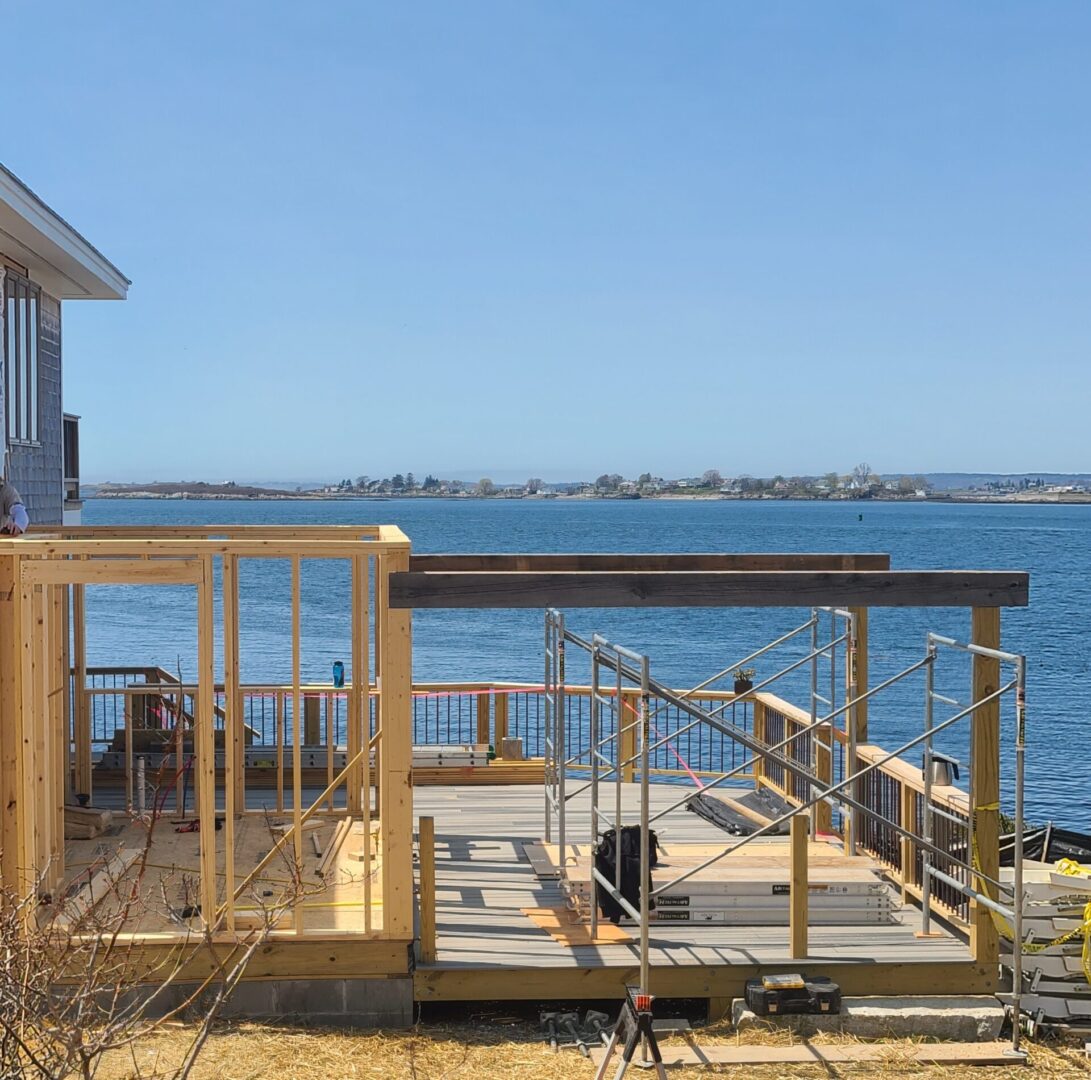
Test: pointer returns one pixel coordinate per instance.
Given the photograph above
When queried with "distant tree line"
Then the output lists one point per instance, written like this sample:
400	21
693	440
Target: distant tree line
860	482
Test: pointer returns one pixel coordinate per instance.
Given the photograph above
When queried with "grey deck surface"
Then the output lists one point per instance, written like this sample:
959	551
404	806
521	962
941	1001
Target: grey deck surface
483	879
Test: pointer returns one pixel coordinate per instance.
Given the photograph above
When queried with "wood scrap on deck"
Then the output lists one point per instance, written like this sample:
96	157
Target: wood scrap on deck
564	927
94	886
830	1054
85	822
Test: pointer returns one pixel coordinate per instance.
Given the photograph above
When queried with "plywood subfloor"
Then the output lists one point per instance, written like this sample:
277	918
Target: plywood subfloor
172	876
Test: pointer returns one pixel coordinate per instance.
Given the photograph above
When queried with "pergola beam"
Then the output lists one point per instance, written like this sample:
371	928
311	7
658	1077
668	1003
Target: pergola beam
651	561
709	588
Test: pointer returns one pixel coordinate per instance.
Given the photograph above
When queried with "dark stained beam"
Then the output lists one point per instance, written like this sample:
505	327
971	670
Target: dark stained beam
650	561
712	588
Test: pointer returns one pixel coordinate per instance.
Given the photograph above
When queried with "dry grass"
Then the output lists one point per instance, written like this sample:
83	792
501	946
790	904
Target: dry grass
472	1051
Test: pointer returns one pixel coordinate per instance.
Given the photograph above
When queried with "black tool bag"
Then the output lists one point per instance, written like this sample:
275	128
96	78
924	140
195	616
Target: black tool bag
779	995
606	857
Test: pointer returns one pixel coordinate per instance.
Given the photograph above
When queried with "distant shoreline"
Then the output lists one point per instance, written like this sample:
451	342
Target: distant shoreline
1022	498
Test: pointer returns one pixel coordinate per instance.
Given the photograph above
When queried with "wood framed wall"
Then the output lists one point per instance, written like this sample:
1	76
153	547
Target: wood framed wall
38	575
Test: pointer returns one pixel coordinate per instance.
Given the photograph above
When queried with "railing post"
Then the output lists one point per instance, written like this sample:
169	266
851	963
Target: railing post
759	733
483	722
500	722
823	813
312	725
985	781
627	719
426	828
907	802
799	836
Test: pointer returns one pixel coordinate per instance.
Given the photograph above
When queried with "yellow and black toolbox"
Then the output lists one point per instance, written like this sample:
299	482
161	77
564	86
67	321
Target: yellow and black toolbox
778	995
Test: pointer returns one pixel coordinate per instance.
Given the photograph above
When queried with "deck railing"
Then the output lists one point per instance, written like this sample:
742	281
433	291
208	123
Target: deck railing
895	789
489	712
120	699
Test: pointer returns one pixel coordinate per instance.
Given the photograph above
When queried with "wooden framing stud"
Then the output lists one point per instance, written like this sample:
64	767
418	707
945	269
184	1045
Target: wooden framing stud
800	833
395	759
204	738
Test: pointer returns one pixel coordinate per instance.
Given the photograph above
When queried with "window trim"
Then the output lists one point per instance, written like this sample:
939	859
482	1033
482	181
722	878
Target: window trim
20	404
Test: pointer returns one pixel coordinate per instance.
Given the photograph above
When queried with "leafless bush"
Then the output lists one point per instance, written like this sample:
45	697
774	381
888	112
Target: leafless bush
75	984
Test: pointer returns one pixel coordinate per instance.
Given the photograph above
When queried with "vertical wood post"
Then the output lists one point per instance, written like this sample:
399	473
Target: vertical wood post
427	844
297	748
30	821
856	678
204	738
908	806
312	720
860	649
395	760
500	722
39	732
65	664
483	721
234	759
58	726
627	724
331	742
985	780
758	763
824	769
358	718
81	703
800	834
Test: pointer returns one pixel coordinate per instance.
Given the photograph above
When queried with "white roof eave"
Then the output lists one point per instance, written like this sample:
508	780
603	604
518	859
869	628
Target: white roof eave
59	259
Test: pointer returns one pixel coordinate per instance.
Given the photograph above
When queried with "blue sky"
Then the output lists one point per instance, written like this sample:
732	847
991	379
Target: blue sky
559	239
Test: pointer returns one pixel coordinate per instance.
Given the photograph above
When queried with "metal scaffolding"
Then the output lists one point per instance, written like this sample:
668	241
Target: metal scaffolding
624	668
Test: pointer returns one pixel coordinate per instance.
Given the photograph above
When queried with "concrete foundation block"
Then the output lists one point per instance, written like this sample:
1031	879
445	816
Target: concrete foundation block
350	1003
961	1019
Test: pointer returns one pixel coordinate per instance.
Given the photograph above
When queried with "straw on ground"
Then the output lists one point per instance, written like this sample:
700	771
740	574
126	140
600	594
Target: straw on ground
474	1051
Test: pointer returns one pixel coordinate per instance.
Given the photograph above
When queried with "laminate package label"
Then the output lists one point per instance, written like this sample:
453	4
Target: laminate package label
829	890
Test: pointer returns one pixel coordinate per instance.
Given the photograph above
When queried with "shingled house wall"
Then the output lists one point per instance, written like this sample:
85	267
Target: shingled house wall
37	470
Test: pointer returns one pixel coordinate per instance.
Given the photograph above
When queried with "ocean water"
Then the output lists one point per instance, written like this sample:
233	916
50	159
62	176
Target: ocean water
1053	543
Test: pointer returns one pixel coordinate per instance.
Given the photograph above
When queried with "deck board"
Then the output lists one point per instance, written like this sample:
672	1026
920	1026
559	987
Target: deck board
484	877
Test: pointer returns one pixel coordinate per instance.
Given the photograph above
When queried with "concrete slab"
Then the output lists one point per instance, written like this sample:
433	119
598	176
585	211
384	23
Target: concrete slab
964	1019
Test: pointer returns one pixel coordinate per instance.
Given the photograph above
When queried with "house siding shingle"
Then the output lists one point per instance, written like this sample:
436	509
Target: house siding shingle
37	471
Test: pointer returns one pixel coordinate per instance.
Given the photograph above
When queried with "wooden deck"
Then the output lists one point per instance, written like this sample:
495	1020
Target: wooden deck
488	949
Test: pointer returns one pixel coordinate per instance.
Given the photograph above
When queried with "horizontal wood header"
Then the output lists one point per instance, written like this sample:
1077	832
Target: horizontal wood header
651	561
709	588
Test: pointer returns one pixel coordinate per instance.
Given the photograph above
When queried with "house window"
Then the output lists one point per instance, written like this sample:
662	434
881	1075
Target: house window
21	308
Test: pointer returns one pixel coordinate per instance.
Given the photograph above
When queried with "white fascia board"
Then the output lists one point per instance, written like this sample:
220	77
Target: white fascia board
61	260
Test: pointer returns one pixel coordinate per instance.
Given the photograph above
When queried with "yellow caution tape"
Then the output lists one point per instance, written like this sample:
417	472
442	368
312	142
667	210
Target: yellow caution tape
1004	928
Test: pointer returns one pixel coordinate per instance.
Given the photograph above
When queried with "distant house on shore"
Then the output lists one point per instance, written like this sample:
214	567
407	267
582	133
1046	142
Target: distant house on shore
43	261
